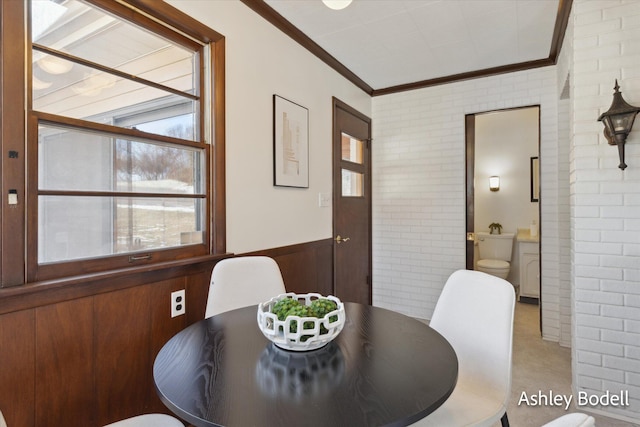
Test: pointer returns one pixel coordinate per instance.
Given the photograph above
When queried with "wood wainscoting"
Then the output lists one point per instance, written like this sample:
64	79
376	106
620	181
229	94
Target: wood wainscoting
306	267
80	352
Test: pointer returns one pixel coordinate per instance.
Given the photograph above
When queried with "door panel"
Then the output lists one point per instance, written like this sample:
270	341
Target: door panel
470	131
351	204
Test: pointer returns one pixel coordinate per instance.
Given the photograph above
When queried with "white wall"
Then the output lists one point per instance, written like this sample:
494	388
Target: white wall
262	61
419	186
605	211
562	226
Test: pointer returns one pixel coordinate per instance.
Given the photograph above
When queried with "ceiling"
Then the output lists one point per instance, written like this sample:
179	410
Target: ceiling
391	45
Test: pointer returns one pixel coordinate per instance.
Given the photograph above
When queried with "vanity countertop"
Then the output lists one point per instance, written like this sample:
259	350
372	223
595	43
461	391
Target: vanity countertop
524	235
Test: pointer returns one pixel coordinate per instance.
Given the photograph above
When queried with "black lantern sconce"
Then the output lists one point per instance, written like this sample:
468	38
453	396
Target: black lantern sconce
618	121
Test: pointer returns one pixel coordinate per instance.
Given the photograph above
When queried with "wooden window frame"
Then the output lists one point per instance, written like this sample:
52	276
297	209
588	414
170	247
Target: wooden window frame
18	158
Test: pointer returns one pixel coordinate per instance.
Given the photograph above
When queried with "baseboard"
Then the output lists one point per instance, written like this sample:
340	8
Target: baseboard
529	300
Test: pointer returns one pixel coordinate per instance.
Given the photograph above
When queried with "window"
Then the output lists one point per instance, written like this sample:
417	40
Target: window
120	137
352	158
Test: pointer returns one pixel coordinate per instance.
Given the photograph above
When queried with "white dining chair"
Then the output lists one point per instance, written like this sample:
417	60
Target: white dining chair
475	314
148	420
243	281
572	420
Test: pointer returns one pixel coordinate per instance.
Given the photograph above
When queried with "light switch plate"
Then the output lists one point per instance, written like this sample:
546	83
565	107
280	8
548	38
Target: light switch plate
324	200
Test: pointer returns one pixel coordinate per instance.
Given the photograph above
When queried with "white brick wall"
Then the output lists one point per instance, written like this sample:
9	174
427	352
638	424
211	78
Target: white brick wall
605	208
563	227
563	69
419	187
590	210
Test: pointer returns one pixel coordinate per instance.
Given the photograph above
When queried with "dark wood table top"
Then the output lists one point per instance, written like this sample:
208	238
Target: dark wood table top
384	369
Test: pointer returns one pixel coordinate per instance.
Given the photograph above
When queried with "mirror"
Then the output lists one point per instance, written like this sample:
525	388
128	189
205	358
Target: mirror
535	179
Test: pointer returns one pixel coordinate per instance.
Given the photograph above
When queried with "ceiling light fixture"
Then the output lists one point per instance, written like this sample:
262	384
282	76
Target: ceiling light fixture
94	84
618	121
53	65
336	4
38	84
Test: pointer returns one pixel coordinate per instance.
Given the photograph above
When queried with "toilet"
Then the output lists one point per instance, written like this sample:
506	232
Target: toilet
494	253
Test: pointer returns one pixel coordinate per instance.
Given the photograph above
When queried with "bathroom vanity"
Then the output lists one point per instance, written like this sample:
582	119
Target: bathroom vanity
529	260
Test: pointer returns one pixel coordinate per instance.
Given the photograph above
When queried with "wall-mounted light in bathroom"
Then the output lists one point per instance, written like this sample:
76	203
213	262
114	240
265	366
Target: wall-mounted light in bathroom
618	121
494	183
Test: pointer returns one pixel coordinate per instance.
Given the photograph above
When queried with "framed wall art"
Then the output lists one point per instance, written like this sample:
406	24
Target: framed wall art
290	144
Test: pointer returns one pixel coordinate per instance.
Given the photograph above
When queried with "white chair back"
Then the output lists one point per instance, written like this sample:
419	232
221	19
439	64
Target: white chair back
242	281
576	419
148	420
475	314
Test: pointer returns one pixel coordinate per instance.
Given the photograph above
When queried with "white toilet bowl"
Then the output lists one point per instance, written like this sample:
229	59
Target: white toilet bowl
495	267
494	251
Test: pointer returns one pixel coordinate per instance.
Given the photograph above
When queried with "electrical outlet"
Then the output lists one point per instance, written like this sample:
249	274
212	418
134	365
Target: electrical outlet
178	303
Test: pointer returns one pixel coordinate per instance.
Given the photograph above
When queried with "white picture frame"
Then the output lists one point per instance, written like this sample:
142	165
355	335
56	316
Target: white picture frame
290	144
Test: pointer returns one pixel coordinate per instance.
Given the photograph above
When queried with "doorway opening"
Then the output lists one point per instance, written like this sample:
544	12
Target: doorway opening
503	197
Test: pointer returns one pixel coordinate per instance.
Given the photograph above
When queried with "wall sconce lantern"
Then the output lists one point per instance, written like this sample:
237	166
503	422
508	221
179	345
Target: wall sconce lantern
618	121
494	183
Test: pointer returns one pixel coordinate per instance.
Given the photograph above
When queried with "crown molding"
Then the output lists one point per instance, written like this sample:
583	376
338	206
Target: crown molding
264	10
528	65
268	13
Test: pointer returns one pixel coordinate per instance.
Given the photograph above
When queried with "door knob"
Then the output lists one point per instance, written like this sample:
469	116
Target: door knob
339	239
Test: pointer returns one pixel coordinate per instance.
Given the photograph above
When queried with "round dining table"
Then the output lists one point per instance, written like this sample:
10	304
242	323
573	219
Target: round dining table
383	369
